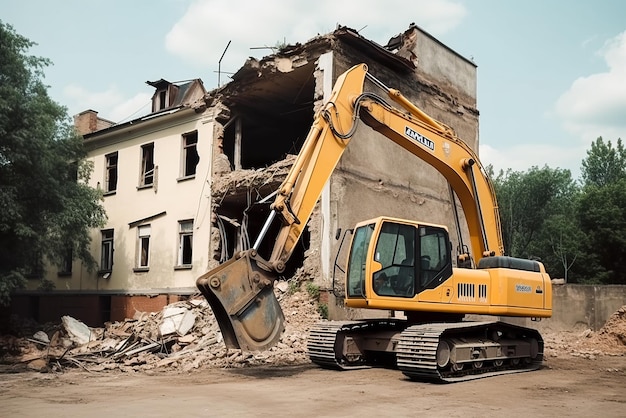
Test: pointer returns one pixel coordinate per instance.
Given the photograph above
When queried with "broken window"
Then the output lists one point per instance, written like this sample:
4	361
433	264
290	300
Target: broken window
185	242
147	165
143	246
106	256
110	184
190	154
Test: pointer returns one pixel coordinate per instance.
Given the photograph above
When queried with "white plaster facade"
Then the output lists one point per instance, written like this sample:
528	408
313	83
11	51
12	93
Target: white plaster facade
172	201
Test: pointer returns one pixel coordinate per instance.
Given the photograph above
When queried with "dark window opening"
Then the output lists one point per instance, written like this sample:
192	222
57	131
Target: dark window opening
162	99
190	154
111	173
65	268
185	243
143	246
106	254
147	165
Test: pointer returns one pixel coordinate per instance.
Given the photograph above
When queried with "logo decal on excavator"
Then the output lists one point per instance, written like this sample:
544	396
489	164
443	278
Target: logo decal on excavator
523	288
416	136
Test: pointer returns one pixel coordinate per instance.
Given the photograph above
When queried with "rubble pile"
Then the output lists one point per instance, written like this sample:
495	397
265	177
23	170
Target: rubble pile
231	182
181	337
185	336
609	340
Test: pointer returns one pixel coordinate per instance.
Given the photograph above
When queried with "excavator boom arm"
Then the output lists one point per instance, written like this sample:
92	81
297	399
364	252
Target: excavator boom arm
438	146
240	291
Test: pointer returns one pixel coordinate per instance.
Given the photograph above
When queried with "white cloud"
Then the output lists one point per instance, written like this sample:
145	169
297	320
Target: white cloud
523	157
110	104
201	35
595	105
138	105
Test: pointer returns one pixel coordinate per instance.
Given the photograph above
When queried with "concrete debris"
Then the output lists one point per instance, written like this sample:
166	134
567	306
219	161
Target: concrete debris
282	286
41	337
182	337
177	320
251	179
77	331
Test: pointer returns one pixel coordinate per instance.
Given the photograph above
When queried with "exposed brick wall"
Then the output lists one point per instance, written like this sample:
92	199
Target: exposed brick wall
123	307
86	122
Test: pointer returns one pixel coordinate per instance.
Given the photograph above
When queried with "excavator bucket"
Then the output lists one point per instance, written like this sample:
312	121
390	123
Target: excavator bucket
241	295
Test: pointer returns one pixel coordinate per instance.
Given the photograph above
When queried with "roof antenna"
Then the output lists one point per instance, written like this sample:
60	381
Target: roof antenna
219	66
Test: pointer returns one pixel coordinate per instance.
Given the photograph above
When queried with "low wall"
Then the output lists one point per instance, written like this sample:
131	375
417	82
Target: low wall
576	306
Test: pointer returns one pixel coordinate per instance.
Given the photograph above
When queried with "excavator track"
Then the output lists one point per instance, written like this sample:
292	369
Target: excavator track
495	348
436	352
327	341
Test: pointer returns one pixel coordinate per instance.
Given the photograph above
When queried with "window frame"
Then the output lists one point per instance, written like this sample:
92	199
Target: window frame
108	169
147	166
185	235
107	248
65	268
142	257
189	151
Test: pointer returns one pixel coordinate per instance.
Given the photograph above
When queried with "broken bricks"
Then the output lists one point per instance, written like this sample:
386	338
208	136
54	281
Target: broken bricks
182	336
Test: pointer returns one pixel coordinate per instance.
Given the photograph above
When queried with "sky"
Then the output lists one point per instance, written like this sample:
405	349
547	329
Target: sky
551	73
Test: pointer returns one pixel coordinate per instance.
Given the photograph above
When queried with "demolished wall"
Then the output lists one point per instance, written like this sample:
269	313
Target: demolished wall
268	108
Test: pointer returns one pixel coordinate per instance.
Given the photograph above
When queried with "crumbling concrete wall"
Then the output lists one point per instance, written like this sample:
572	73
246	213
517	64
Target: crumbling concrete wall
576	307
375	176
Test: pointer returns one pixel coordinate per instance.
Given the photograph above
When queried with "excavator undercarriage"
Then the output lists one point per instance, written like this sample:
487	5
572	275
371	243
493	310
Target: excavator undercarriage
437	352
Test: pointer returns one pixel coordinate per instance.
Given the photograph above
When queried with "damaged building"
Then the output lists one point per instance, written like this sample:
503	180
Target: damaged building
191	183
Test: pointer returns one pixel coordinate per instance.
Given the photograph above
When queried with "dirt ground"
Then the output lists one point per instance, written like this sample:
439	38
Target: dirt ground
584	375
566	386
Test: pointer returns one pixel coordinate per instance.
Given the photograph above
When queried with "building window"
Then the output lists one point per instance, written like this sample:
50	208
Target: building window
147	165
190	154
162	100
65	269
106	256
143	246
111	173
185	242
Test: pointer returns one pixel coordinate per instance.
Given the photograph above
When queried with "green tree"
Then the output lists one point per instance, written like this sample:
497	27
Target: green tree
47	209
602	213
602	217
604	164
527	201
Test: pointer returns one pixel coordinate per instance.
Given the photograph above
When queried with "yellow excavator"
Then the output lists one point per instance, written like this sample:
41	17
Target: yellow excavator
393	264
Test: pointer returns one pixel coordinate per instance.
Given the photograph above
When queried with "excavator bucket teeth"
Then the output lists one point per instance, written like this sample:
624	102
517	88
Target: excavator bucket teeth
241	295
